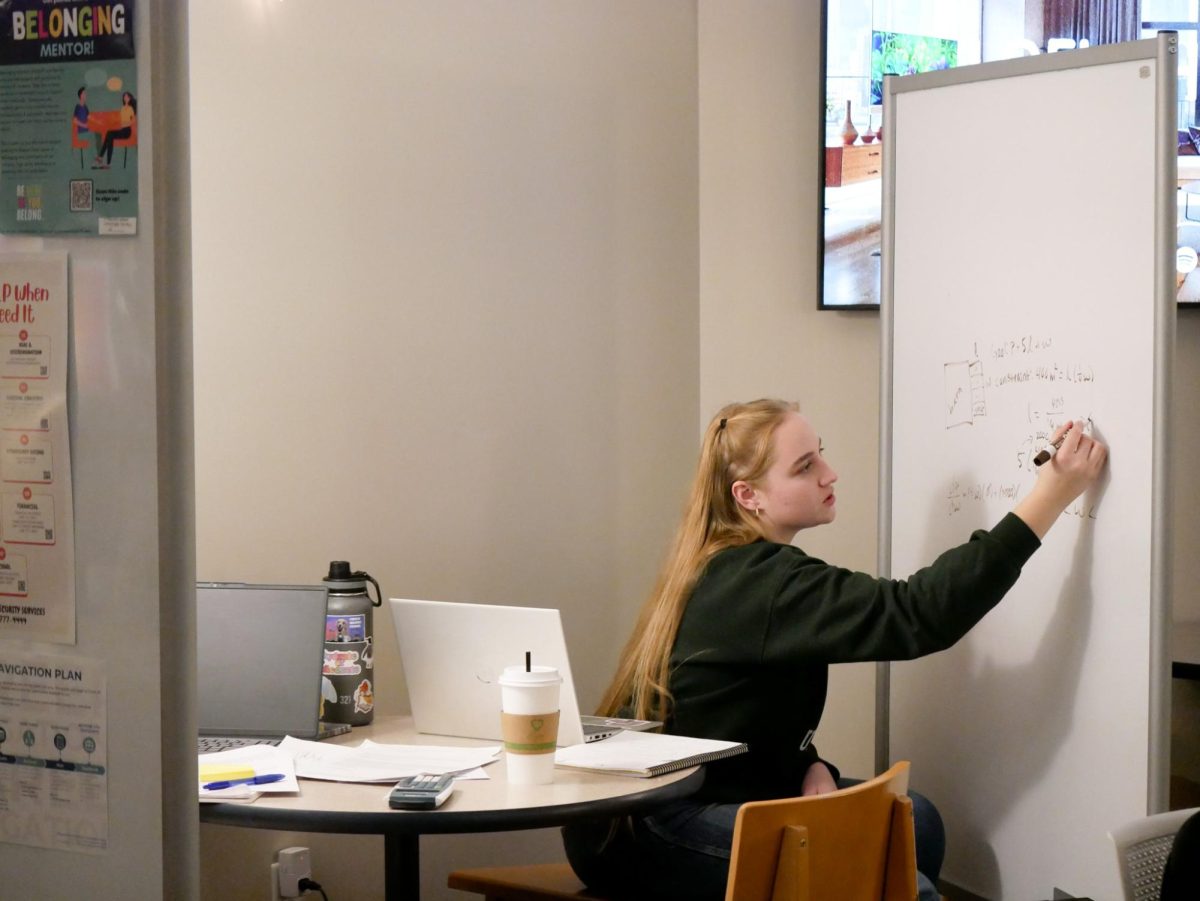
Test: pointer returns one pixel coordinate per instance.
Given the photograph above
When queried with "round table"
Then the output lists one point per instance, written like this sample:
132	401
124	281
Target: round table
490	805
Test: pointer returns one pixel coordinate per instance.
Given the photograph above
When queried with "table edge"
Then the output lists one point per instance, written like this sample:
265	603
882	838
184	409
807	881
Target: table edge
442	822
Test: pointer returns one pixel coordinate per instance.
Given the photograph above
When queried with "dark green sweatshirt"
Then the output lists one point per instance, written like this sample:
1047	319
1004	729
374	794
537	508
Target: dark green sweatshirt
751	660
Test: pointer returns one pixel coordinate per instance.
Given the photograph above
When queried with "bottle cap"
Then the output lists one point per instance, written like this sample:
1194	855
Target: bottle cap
342	581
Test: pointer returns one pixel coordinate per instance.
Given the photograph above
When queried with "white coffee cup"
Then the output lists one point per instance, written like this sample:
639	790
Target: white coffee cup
529	708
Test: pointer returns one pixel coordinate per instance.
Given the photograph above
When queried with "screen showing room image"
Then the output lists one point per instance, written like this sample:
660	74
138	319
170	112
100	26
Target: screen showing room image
866	40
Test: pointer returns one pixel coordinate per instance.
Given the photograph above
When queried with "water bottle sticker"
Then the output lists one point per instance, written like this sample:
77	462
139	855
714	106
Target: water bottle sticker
341	663
346	627
364	697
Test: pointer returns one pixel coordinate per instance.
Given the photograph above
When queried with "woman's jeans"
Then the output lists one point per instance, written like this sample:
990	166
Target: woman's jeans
681	851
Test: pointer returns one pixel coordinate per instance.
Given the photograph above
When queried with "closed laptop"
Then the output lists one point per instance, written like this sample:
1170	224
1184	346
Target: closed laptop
259	655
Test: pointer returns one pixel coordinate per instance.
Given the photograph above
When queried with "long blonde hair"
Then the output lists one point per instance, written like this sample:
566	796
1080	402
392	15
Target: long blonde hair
737	446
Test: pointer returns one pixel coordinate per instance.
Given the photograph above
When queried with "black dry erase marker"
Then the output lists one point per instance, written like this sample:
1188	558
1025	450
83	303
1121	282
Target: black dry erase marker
1044	454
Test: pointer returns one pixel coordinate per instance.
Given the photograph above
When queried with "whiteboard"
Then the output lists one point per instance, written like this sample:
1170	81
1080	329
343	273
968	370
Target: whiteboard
1028	214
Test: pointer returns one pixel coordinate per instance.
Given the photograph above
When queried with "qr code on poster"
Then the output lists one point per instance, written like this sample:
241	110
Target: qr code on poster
81	195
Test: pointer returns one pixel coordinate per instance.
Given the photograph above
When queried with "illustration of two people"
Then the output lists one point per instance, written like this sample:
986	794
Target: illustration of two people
127	116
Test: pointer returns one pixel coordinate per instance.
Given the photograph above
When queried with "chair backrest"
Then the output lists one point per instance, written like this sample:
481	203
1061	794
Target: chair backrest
1142	849
856	844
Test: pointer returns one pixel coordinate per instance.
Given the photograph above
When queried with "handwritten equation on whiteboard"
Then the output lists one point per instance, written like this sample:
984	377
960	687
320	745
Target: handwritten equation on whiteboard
1021	389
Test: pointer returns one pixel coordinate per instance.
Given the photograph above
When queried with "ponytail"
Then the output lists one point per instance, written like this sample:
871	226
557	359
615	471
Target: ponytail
736	446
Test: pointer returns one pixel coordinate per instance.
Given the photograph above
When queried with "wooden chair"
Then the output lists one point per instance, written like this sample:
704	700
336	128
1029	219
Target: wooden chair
1142	849
854	845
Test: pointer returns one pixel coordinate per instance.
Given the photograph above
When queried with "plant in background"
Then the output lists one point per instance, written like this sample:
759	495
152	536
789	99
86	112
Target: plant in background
893	53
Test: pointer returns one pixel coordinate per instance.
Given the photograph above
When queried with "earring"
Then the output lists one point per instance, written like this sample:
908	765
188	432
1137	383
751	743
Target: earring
757	511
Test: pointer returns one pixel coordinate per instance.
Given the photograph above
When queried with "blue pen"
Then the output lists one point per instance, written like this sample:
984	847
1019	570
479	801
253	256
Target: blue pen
249	780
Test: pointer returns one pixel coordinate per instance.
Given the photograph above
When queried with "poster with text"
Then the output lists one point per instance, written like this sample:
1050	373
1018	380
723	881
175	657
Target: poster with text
53	752
68	118
37	547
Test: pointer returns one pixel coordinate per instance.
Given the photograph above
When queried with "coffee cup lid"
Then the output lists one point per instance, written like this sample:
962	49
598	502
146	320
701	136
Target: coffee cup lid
535	675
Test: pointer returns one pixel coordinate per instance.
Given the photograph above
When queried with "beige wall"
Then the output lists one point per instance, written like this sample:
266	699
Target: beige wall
1185	480
1184	474
445	324
760	330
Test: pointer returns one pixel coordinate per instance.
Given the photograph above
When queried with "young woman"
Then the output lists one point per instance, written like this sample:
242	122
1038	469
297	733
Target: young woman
128	114
736	639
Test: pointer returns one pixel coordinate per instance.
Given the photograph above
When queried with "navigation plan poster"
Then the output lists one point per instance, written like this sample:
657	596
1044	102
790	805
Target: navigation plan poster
53	753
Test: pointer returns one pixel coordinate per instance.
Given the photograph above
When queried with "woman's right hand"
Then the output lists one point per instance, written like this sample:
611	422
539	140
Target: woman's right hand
1074	467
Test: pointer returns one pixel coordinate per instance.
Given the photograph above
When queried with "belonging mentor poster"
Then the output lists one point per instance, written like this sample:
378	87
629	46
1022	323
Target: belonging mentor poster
68	118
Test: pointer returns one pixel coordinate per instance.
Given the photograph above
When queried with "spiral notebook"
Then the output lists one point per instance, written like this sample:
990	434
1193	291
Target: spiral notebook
646	754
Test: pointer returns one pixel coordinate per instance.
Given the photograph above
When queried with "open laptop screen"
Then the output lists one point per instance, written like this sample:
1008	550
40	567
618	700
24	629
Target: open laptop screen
453	655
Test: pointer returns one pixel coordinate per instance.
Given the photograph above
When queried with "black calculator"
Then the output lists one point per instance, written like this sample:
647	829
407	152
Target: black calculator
420	792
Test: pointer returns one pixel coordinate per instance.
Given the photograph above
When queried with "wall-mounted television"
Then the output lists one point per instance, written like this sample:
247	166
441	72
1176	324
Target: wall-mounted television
863	41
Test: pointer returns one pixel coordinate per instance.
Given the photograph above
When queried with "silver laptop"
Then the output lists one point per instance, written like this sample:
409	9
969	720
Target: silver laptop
259	656
453	655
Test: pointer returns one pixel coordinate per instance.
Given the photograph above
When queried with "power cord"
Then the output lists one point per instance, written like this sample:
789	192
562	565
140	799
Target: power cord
307	885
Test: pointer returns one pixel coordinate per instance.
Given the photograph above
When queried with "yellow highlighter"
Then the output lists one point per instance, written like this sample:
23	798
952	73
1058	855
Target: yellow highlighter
215	772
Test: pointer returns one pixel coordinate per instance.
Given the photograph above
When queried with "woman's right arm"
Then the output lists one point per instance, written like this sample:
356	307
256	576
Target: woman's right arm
1074	467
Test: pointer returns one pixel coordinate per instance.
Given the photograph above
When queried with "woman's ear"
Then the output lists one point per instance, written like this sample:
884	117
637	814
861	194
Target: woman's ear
745	495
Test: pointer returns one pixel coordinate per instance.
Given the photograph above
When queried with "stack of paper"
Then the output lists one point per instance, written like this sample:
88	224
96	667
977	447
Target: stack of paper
242	774
373	762
645	753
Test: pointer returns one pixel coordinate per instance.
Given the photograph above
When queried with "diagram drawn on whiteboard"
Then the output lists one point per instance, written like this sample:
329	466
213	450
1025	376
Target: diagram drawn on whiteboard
1024	379
964	393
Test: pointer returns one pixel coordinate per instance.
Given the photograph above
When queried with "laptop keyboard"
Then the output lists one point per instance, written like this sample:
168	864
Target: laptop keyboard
211	743
208	744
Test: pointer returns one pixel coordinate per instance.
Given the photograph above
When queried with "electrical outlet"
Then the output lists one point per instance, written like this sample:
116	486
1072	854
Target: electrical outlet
291	866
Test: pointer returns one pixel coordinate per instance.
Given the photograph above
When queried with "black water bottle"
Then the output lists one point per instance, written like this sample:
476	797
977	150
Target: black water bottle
349	647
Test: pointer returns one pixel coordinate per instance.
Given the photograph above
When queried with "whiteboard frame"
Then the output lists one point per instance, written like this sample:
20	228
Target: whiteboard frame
1164	50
